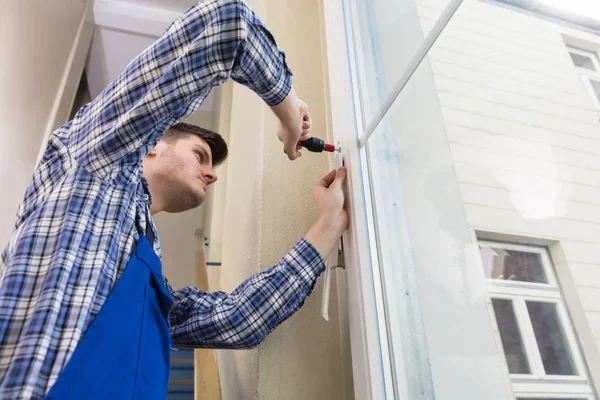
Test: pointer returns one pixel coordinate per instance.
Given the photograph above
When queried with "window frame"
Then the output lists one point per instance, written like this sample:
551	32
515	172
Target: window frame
370	370
519	293
364	307
371	374
546	262
540	395
587	75
587	78
586	53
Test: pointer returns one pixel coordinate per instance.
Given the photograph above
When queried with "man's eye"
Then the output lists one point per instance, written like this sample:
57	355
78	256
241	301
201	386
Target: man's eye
199	156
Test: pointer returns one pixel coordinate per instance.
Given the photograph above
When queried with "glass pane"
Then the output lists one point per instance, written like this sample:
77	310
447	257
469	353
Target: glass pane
596	87
412	192
511	337
512	265
388	34
582	61
550	338
406	333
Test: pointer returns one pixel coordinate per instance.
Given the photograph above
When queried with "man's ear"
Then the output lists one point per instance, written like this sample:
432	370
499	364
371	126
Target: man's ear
160	147
154	152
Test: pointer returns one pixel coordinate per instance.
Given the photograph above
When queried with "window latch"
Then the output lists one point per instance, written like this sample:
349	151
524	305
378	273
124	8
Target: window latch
340	258
336	261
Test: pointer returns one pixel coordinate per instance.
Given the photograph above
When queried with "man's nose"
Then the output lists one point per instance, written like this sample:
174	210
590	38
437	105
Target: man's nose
210	176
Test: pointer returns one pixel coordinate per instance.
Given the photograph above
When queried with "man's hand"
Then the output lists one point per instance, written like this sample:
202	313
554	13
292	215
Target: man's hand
294	123
333	219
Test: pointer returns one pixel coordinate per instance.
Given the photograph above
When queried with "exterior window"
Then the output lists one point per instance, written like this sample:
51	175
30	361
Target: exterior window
512	342
387	115
538	340
594	85
584	59
588	64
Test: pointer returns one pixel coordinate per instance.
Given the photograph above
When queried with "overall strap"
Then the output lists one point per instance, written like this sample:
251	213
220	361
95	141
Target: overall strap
149	232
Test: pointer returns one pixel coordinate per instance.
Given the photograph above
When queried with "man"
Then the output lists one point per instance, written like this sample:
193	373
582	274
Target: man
84	310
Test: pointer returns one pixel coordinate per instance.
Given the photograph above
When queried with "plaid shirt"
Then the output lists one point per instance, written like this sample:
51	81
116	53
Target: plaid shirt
87	206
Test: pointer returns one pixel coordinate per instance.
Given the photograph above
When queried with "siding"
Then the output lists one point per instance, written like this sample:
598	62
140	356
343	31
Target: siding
523	133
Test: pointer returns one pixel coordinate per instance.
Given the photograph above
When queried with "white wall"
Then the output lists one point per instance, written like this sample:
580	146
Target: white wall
40	52
524	137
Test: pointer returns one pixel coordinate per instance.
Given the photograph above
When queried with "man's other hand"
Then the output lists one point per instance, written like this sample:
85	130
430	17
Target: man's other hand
333	218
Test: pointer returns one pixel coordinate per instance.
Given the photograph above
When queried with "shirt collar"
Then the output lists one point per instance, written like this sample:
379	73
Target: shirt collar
147	195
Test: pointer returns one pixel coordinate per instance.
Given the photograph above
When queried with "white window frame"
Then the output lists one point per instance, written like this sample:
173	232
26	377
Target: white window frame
586	78
372	359
588	75
365	308
538	383
589	54
540	395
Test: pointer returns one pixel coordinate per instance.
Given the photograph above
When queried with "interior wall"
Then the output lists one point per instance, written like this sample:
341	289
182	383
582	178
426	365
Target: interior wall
269	207
37	39
302	359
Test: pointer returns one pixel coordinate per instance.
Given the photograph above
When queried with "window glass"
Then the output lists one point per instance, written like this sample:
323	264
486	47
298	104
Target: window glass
512	265
512	342
582	61
595	87
550	338
382	27
476	98
532	321
385	35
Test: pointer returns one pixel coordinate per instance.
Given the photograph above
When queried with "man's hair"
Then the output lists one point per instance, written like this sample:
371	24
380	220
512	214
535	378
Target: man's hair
217	144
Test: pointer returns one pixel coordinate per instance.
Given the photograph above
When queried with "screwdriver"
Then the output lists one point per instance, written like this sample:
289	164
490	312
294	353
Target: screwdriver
317	145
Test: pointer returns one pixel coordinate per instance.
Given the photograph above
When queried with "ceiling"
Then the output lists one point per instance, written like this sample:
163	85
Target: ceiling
123	29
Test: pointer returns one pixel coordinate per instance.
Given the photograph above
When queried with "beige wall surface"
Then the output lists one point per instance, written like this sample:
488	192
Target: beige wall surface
268	207
37	39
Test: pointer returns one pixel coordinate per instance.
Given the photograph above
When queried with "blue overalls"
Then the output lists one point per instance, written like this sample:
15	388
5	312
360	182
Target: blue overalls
125	353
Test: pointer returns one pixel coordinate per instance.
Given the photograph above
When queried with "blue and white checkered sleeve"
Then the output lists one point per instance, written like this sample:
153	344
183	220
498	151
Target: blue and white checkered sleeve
243	318
255	67
211	42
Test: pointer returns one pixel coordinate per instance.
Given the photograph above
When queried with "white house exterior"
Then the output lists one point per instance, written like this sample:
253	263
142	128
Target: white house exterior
519	94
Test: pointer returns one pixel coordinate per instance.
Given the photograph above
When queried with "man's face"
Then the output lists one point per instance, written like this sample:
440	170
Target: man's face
185	172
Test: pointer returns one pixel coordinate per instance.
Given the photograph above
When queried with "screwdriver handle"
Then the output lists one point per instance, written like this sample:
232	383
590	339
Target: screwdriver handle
313	144
316	145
